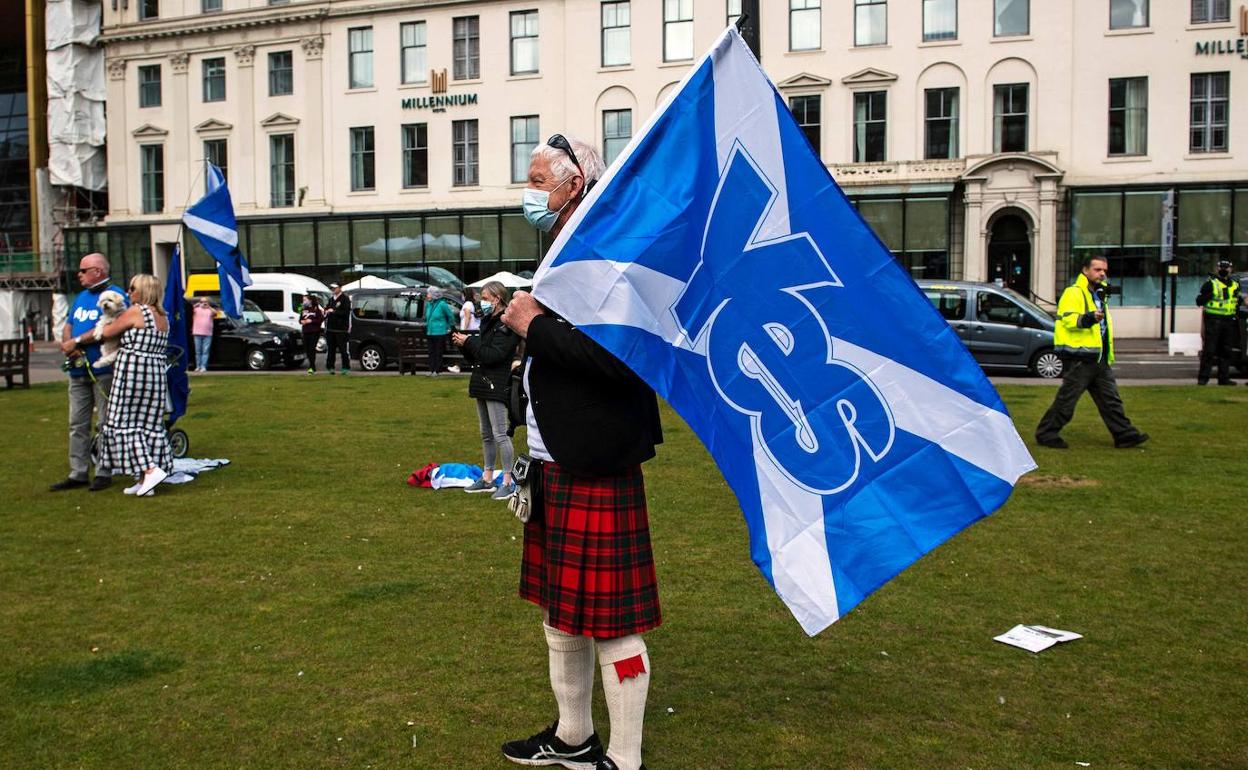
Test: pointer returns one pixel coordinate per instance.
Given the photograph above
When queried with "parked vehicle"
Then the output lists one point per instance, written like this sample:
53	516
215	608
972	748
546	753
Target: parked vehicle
377	316
279	295
1002	328
254	342
1239	349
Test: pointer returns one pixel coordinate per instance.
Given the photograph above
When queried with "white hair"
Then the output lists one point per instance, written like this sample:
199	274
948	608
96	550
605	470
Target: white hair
592	166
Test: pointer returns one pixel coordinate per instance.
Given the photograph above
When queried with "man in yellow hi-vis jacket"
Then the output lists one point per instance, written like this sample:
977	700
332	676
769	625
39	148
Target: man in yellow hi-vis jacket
1084	338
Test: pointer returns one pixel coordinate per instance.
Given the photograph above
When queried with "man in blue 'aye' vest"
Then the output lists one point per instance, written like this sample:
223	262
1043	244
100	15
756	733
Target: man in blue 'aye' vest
88	384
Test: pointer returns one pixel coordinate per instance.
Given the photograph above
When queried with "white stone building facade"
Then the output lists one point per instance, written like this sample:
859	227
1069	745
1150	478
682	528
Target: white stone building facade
983	139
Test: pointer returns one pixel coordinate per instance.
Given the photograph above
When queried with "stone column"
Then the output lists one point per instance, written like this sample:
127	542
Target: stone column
243	181
180	167
973	256
315	168
120	145
1044	260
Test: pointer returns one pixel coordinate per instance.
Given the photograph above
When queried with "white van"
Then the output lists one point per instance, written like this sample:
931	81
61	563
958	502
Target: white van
279	295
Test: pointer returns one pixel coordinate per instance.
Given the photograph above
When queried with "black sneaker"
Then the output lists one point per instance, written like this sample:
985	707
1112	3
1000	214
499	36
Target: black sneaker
1135	440
545	748
606	763
68	483
101	483
1053	443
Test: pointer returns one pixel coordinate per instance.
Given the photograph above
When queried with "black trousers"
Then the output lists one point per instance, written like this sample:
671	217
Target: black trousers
437	346
1097	379
1218	336
337	341
309	348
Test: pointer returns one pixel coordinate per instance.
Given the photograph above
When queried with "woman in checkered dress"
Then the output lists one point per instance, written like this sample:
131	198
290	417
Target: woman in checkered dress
132	438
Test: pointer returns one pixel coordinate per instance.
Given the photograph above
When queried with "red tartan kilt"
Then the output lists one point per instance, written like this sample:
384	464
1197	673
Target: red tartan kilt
587	559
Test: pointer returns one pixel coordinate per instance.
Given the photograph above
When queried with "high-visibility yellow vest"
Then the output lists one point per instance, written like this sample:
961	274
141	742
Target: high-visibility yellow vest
1225	297
1071	339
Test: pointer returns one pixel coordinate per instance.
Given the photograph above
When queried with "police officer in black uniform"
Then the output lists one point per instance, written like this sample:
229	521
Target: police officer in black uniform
1221	299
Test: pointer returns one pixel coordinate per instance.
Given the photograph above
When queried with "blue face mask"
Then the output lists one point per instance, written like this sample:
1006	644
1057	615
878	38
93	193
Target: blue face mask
487	308
536	207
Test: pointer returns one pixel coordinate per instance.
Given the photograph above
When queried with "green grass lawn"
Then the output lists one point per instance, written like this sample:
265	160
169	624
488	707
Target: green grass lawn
304	608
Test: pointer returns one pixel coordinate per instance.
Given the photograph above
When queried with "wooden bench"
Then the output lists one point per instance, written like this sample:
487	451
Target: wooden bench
15	361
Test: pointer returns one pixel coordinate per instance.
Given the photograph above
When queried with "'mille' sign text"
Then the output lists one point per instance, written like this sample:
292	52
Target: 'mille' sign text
1231	46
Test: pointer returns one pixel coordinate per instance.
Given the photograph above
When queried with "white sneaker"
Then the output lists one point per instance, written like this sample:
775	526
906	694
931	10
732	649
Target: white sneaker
132	490
153	477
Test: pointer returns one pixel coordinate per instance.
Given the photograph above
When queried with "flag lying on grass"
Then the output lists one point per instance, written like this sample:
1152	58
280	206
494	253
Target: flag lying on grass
212	221
175	310
722	263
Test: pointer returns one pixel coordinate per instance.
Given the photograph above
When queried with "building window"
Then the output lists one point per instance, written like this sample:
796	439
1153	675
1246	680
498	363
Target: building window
216	153
152	159
466	47
734	11
414	52
1210	11
1009	118
464	146
1128	14
807	110
281	73
616	34
523	42
914	228
1128	116
415	155
363	162
1210	107
617	129
677	30
149	9
940	20
360	57
149	85
1011	17
870	22
870	126
210	6
282	170
524	132
940	129
805	25
214	80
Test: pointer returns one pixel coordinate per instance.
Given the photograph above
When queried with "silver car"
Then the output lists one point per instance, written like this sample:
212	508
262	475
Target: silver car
1002	328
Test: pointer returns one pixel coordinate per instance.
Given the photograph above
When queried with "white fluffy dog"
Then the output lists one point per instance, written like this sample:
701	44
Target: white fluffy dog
111	305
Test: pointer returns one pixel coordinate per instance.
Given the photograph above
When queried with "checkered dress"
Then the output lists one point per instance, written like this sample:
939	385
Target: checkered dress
133	438
587	558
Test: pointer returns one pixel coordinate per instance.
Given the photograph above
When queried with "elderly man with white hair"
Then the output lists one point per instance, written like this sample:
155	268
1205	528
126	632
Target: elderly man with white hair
587	557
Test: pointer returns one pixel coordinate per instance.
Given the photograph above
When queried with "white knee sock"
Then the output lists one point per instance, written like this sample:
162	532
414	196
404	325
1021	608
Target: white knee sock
626	686
572	680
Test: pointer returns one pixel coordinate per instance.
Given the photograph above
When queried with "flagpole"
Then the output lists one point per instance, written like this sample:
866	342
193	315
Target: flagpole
182	227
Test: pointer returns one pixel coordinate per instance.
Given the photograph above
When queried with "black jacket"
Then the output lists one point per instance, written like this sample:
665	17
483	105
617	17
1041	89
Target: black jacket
340	319
596	417
491	353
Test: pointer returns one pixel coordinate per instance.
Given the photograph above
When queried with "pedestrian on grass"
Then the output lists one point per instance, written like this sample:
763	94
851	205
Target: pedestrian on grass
337	328
311	318
439	321
133	438
1084	339
88	385
1221	299
587	561
491	354
202	317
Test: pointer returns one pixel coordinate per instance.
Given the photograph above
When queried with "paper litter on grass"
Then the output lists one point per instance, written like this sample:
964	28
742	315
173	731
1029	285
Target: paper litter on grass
1035	638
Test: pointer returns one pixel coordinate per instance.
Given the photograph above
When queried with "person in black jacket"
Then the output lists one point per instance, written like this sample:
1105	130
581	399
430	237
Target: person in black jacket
337	328
587	560
491	353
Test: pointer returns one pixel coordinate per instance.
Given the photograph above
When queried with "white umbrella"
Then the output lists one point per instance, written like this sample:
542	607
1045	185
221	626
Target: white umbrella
400	246
371	282
510	280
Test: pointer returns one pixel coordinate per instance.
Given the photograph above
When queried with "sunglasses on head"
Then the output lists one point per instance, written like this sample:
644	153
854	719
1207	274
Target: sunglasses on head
560	142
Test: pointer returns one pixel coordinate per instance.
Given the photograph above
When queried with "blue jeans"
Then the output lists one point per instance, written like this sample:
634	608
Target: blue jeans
203	344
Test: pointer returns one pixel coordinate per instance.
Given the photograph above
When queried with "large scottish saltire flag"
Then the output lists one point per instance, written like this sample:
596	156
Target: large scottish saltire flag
212	221
722	263
175	311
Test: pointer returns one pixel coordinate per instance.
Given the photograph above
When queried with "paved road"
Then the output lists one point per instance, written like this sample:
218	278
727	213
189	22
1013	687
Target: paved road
1140	362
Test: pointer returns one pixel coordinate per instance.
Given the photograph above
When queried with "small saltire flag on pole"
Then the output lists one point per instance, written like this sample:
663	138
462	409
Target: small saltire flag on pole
722	263
212	221
175	310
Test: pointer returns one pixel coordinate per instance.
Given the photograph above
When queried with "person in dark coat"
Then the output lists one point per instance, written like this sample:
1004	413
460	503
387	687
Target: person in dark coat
311	318
491	354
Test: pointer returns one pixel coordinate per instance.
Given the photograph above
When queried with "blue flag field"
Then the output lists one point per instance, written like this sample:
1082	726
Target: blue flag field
211	219
721	262
175	310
